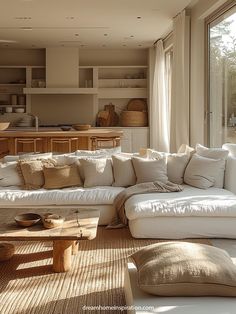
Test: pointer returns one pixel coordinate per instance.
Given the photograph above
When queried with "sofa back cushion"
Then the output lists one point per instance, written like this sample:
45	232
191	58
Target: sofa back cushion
150	170
97	172
61	176
203	172
231	148
123	170
9	175
26	157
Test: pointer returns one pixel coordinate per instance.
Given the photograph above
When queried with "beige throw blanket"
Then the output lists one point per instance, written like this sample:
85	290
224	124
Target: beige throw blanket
142	188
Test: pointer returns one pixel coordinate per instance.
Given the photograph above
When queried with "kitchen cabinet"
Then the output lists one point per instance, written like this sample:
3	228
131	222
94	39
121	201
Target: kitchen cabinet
134	138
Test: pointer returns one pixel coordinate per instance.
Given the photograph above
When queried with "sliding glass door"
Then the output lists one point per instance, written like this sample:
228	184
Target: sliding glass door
222	79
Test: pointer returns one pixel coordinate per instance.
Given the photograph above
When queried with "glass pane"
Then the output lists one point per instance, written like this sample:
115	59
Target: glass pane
222	79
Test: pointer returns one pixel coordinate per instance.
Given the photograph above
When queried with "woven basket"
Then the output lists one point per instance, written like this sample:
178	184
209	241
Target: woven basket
134	118
7	250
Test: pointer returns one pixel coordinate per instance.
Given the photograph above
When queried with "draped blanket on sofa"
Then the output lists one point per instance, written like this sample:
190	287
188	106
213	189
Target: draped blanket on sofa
142	188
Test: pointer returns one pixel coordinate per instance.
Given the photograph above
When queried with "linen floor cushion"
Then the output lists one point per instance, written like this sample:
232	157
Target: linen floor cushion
123	170
203	172
214	153
185	269
61	176
9	175
176	165
97	172
32	172
150	170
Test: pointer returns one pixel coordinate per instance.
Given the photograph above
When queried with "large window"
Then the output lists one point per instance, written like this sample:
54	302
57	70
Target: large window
222	78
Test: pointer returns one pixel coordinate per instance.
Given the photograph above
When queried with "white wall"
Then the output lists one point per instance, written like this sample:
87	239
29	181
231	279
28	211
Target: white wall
199	12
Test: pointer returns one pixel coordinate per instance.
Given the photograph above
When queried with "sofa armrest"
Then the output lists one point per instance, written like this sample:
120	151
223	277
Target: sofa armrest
230	174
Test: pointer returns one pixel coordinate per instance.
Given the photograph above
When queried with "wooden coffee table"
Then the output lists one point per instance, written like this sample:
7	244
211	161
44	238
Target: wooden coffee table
78	225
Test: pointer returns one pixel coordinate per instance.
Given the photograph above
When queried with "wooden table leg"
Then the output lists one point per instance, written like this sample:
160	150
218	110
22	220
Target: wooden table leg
62	250
75	247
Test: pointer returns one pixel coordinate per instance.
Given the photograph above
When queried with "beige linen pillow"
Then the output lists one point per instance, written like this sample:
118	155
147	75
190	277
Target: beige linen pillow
176	165
123	170
150	170
97	172
61	176
185	269
214	153
9	175
203	172
32	172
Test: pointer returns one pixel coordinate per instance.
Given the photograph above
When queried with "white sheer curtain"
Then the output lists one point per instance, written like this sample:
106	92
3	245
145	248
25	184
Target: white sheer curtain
159	111
179	127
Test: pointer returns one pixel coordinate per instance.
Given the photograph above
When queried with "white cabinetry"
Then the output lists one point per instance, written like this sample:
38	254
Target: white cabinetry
134	139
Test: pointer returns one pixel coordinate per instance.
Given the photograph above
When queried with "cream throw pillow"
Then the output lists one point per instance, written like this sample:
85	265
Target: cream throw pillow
214	153
203	172
61	177
176	165
32	172
9	175
150	170
97	172
185	269
123	170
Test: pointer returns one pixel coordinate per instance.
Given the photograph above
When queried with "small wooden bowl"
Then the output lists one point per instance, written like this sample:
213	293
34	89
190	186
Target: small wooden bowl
81	127
27	220
51	221
7	250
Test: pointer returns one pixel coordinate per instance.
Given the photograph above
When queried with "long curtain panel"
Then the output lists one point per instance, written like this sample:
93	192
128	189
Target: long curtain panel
159	111
179	126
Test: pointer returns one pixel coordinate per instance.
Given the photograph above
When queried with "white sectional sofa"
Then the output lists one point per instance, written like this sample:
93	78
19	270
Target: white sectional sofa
191	213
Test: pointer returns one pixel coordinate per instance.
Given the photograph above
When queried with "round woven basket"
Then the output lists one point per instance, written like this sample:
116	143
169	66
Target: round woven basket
7	250
134	118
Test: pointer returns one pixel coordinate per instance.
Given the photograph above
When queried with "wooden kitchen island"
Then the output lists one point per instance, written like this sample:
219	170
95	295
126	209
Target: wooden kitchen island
47	140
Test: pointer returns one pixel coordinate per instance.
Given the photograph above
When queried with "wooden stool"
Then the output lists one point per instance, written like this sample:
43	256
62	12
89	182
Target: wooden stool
31	142
65	143
3	147
7	250
104	142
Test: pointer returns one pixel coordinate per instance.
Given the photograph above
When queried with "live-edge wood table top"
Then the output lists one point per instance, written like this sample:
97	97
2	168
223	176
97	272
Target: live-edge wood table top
77	226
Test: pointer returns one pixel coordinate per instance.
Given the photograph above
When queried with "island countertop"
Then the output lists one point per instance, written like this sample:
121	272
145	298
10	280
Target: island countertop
18	140
57	132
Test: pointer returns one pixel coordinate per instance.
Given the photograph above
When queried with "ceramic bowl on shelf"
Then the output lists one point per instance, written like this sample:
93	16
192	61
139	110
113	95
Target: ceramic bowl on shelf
81	127
65	128
4	125
19	110
27	220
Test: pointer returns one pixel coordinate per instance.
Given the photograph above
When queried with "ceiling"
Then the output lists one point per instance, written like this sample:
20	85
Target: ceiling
109	24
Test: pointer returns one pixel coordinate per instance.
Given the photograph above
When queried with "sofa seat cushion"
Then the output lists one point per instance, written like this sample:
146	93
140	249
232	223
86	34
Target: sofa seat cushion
102	195
191	202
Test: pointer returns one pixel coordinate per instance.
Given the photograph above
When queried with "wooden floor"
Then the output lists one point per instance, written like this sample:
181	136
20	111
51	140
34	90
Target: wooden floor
28	284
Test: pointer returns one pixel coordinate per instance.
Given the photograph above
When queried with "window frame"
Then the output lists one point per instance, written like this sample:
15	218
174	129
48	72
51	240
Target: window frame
216	15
